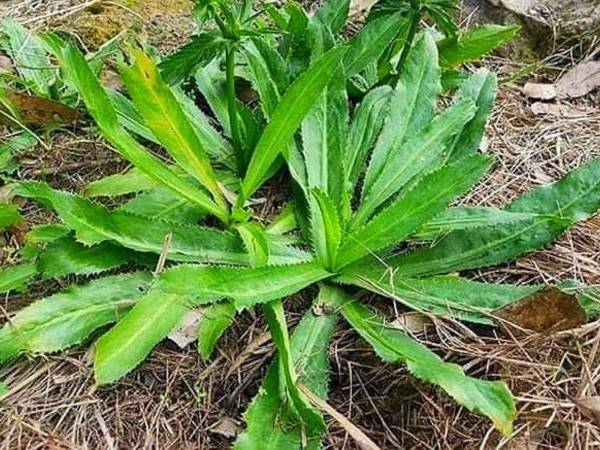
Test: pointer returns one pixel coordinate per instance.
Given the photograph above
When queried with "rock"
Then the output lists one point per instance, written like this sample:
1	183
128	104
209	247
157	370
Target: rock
545	22
540	91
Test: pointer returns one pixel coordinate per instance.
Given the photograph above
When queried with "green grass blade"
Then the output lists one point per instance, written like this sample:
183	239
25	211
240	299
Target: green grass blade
490	398
291	110
67	318
424	201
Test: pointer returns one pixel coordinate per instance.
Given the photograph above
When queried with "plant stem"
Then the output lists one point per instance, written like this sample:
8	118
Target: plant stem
234	123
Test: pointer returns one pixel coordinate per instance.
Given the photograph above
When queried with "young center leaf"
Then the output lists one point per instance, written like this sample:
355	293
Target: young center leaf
287	117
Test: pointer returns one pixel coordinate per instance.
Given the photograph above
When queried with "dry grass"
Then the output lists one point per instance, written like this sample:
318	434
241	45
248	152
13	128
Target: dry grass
176	401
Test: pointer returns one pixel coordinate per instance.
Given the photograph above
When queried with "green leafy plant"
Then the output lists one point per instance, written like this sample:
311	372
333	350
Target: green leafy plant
373	187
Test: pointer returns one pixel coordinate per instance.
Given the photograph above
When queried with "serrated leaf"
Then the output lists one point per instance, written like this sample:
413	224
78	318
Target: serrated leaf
576	196
255	241
122	348
413	159
449	296
481	88
370	43
289	391
66	257
9	215
334	13
130	182
161	204
324	134
101	109
265	417
93	224
291	110
67	318
467	217
200	51
366	125
482	247
216	319
46	233
29	56
12	147
247	286
326	228
490	398
167	120
427	198
411	108
473	44
15	277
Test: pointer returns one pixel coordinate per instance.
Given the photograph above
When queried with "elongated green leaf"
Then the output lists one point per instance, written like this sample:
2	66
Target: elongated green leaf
265	75
324	134
291	110
467	217
162	204
288	378
334	13
94	224
211	83
128	116
122	348
269	427
411	108
427	198
576	196
9	215
100	107
473	44
46	233
366	124
67	318
66	257
368	45
255	241
325	227
202	49
167	120
3	389
247	286
490	398
414	158
15	277
130	182
449	296
481	88
215	320
30	57
475	248
285	221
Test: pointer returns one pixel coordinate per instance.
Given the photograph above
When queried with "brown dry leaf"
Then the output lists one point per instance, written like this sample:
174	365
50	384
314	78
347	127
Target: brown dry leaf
548	310
580	80
227	427
411	322
539	91
590	407
39	111
187	331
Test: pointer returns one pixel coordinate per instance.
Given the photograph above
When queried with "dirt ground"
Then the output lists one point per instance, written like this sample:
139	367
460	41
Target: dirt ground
174	400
